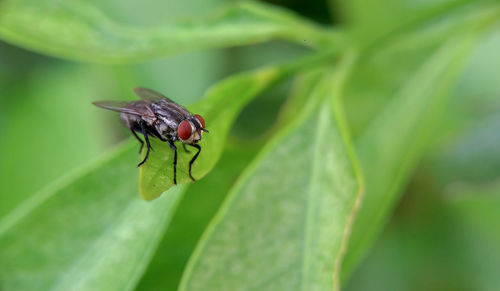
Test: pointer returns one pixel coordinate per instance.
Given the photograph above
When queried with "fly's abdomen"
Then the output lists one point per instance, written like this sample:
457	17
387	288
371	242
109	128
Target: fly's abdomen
131	121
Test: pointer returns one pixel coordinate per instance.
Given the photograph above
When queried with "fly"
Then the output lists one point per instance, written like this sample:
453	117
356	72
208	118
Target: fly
159	117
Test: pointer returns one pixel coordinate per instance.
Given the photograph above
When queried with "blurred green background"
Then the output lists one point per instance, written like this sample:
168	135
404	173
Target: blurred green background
444	233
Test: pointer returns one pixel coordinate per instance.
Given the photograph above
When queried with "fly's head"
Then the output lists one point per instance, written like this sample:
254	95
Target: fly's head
189	130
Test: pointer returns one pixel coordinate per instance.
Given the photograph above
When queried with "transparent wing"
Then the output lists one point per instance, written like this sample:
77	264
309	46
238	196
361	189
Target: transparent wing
135	108
148	94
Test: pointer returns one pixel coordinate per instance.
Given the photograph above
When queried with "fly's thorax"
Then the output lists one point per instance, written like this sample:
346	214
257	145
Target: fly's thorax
165	127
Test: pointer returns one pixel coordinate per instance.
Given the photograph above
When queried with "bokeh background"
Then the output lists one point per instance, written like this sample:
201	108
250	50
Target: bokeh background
445	231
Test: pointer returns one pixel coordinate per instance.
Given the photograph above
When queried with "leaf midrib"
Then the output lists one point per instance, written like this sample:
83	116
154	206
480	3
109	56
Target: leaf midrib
311	202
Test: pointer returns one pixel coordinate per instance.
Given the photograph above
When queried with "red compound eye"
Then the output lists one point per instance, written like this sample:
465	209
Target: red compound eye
184	130
200	119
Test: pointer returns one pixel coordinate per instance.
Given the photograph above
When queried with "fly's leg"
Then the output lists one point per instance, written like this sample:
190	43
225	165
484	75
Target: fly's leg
139	139
185	149
148	145
174	148
194	159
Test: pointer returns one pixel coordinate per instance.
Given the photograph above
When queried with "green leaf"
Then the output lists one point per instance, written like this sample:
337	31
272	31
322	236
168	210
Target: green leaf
301	91
203	198
197	207
376	79
219	109
391	146
77	30
89	232
377	20
284	224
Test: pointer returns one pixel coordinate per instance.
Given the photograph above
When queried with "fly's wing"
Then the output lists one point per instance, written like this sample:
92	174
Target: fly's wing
135	108
149	95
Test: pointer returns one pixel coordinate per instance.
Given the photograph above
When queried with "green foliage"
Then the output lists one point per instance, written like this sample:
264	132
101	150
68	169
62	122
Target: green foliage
85	33
289	208
298	214
104	231
398	136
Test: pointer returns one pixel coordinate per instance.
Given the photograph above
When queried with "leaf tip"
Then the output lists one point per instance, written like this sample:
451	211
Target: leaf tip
150	192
